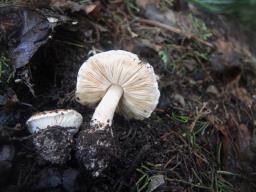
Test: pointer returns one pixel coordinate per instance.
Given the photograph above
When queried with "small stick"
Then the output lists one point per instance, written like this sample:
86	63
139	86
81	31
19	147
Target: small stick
199	114
21	138
177	31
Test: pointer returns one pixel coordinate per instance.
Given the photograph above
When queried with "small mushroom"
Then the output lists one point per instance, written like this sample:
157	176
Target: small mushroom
119	81
66	118
54	131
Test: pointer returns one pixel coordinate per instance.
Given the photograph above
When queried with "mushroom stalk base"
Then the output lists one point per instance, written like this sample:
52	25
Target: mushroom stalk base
104	112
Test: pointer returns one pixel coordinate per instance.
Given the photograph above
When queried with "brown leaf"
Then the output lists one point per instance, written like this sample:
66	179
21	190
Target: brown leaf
240	92
24	32
90	8
244	139
226	57
227	152
243	95
9	100
93	9
144	3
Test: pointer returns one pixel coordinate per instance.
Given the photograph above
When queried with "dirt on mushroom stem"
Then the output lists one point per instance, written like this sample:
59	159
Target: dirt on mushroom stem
95	148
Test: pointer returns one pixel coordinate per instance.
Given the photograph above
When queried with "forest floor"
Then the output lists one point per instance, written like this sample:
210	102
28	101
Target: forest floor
201	137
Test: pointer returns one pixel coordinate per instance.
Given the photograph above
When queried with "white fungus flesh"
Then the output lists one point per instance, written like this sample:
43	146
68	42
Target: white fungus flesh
66	118
121	82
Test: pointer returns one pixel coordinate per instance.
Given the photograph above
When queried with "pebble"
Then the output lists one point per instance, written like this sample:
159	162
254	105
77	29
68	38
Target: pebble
7	152
179	99
69	180
212	90
49	178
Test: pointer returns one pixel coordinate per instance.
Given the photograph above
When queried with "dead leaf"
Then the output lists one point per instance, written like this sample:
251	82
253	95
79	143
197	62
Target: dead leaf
212	90
25	31
92	9
144	3
244	140
240	92
226	57
243	95
155	182
227	152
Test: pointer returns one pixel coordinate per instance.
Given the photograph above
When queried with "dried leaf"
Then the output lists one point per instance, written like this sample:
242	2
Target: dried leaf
144	3
155	182
226	57
227	153
93	9
244	139
243	95
25	31
240	92
90	8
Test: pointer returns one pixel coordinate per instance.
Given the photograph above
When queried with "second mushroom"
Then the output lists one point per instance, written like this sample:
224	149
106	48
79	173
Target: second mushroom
119	81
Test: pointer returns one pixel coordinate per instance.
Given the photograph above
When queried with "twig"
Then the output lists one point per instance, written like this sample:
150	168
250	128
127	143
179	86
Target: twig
70	43
188	183
21	138
199	114
177	31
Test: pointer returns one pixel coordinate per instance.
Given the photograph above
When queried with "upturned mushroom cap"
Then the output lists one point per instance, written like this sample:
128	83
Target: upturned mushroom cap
66	118
125	69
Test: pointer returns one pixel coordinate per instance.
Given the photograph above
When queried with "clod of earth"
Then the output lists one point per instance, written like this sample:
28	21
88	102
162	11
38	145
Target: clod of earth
54	133
54	144
122	83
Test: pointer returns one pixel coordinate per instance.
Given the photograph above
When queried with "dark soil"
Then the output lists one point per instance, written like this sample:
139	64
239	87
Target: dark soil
94	148
200	137
54	144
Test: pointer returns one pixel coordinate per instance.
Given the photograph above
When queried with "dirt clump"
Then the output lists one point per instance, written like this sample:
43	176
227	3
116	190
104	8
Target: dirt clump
54	144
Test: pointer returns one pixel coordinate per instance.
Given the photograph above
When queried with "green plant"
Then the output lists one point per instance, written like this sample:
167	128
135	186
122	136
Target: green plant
166	4
244	10
131	5
6	72
146	176
200	28
198	131
221	184
180	118
214	5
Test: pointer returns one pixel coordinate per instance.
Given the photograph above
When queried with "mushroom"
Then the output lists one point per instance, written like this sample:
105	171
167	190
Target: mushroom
66	118
53	133
119	81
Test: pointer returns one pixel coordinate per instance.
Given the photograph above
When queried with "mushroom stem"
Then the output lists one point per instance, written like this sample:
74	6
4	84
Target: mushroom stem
105	110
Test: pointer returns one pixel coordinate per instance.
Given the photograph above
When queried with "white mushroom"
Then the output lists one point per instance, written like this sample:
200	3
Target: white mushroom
119	80
66	118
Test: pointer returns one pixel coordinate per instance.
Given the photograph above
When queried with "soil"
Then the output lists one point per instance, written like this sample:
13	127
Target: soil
94	148
200	137
53	144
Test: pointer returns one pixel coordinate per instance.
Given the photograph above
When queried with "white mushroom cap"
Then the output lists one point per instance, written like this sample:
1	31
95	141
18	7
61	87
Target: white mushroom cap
120	68
66	118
